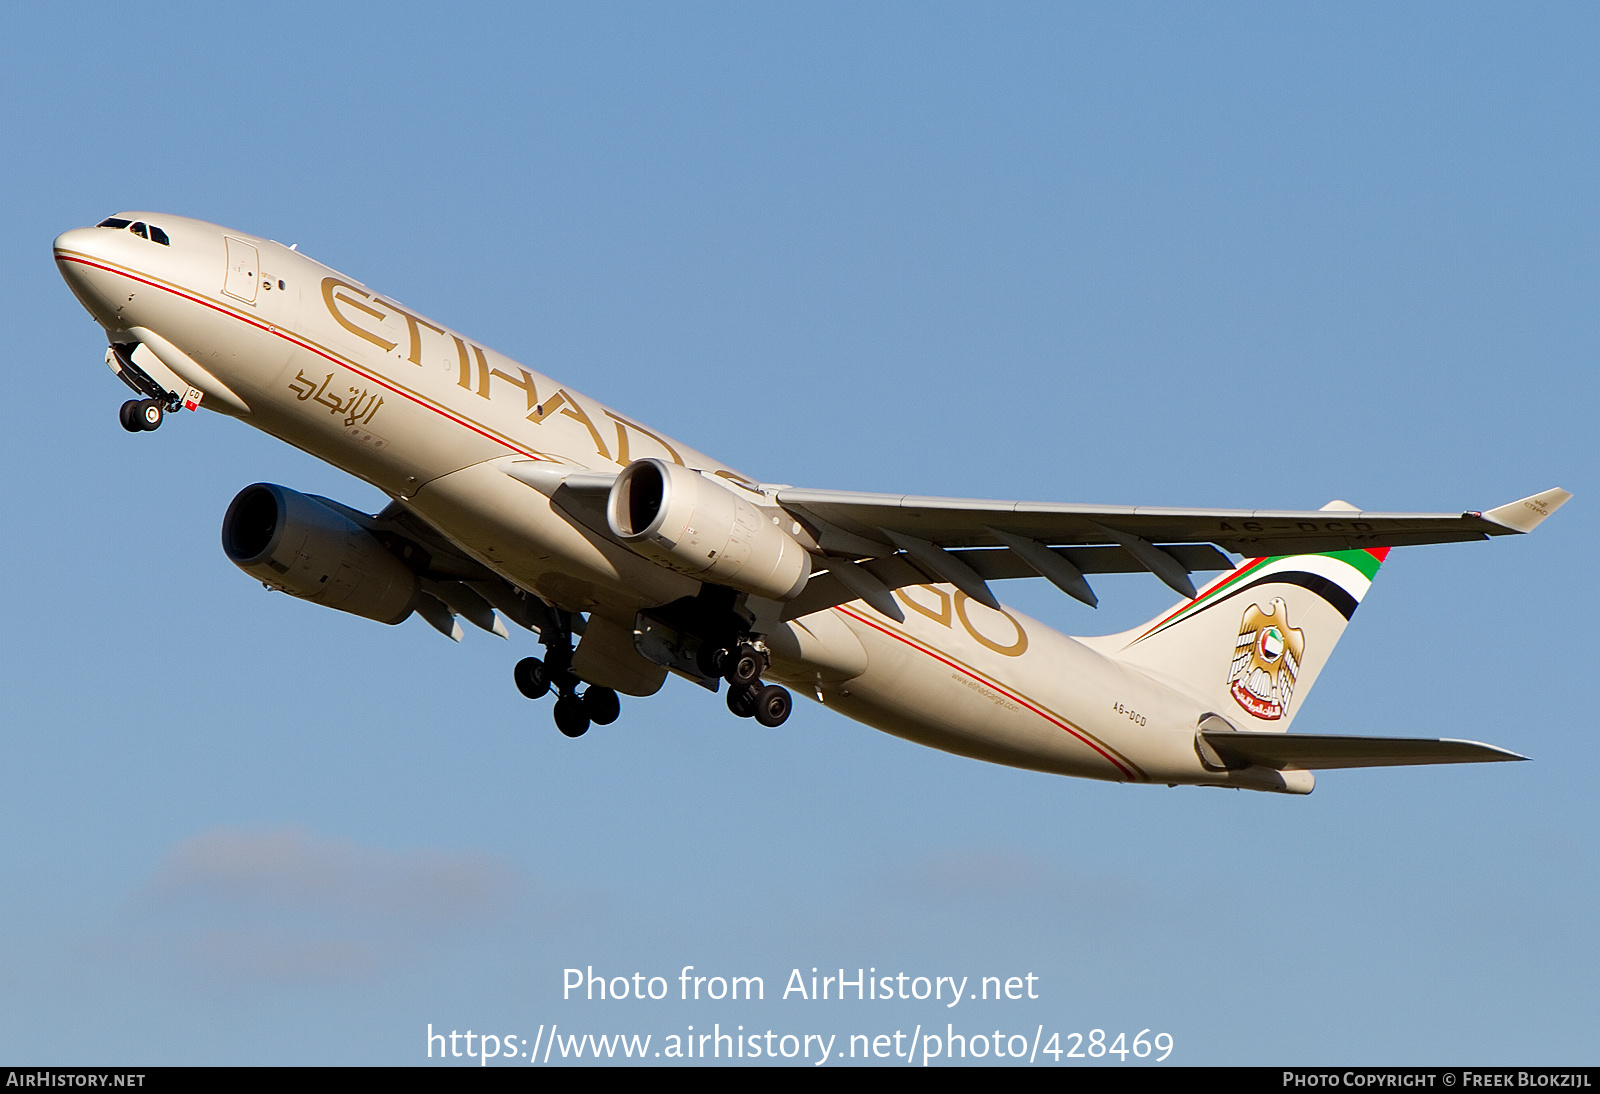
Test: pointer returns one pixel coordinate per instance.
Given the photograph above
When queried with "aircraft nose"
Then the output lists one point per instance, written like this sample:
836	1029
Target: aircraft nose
75	241
75	252
72	248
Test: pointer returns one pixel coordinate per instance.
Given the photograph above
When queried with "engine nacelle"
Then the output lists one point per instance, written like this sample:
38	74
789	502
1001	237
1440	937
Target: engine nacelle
688	523
296	543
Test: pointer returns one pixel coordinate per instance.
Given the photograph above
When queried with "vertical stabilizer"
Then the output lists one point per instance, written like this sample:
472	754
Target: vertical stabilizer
1252	643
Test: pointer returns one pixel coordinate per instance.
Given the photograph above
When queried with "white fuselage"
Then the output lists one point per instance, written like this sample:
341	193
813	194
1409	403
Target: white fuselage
431	417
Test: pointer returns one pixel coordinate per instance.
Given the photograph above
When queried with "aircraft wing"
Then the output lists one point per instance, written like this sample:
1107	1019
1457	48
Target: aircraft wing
867	545
1315	751
964	522
964	541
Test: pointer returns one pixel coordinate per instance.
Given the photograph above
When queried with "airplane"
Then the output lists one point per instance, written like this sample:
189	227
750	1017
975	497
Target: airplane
633	556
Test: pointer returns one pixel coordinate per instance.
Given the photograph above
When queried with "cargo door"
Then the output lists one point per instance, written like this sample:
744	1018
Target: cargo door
244	270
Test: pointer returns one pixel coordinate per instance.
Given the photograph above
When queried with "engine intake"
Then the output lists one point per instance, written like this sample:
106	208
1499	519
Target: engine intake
688	523
305	547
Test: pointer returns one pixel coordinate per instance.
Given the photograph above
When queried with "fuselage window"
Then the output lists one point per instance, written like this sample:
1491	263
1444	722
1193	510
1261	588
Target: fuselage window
138	230
113	222
158	236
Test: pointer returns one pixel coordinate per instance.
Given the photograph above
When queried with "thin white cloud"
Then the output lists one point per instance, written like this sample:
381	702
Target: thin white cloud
290	906
296	871
988	871
265	953
1008	884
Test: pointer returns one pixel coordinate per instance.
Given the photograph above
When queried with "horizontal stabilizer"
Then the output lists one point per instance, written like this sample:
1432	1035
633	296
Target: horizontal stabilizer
1316	751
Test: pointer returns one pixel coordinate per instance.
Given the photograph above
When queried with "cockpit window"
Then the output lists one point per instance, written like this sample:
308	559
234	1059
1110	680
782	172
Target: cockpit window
138	228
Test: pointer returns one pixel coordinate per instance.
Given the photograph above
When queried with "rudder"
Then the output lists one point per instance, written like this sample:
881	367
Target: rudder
1253	642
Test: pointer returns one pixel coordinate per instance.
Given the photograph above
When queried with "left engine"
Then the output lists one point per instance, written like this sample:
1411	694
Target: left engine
307	548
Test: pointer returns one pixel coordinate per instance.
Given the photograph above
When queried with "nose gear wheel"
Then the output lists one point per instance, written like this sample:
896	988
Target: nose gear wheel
141	415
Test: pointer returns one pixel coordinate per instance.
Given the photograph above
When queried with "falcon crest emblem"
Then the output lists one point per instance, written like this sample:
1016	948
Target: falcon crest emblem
1266	661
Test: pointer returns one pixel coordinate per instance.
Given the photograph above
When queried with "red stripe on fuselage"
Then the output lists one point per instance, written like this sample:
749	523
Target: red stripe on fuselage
319	351
986	682
381	382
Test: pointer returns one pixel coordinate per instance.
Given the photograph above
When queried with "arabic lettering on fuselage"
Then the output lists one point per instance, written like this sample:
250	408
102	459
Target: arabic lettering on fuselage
360	407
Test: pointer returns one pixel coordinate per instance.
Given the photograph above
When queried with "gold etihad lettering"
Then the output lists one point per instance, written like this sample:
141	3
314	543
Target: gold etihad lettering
336	295
465	379
483	371
941	615
525	382
623	454
955	608
333	298
1019	645
348	304
568	405
413	323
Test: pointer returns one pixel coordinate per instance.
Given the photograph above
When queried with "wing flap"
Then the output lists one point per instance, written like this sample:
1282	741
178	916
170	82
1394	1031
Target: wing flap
996	565
1316	751
825	590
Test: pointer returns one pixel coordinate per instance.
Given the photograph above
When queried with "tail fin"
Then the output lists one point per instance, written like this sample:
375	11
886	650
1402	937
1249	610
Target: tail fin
1253	641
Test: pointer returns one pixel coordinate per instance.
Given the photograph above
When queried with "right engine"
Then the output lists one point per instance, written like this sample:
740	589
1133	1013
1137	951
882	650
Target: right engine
688	523
305	547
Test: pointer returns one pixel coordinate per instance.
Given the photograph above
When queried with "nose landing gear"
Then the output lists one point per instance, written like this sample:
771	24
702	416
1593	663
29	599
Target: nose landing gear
141	415
573	713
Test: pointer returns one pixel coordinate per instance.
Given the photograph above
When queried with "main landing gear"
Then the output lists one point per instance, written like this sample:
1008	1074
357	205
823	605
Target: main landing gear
573	712
768	705
709	636
719	645
742	667
141	415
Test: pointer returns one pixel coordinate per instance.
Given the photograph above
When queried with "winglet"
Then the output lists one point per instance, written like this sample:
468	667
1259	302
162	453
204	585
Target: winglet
1526	515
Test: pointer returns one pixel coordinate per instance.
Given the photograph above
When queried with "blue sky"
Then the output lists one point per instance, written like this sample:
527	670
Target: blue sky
1241	255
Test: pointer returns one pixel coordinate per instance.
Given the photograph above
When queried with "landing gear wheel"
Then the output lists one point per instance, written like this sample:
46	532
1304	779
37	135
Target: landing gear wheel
571	719
772	705
744	666
128	415
601	704
532	678
150	414
742	700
